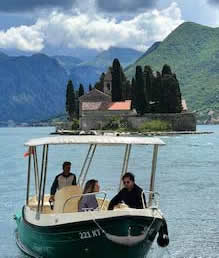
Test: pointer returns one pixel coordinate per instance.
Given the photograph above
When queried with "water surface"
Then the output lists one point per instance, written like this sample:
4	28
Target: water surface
187	180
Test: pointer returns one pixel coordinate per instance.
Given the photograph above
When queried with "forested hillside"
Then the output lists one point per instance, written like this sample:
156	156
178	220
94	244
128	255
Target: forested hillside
192	51
31	88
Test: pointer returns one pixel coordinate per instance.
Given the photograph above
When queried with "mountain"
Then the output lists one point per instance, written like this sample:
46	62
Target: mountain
126	56
32	88
192	51
68	62
152	48
89	72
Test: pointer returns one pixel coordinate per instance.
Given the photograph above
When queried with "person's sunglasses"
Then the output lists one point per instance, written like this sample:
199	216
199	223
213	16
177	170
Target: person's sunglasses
126	182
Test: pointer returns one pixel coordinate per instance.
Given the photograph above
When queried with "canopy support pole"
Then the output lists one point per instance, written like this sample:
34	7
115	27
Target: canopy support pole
88	165
45	175
153	172
41	181
84	164
125	163
36	171
28	176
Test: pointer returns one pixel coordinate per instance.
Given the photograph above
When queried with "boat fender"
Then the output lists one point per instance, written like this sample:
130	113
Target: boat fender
163	238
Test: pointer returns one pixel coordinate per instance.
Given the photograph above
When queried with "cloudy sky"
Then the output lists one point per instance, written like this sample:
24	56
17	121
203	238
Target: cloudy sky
39	25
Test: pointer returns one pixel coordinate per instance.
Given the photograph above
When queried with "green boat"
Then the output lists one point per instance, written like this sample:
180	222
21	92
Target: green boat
45	231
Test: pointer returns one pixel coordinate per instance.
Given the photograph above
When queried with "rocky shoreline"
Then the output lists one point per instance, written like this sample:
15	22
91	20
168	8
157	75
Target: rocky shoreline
117	133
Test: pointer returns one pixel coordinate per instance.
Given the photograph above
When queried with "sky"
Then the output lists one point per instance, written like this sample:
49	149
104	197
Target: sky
63	26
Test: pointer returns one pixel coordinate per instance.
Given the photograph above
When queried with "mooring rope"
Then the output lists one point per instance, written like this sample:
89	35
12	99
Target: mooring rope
124	240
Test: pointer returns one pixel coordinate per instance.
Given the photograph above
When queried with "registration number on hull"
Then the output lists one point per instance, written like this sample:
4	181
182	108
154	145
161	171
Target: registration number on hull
90	234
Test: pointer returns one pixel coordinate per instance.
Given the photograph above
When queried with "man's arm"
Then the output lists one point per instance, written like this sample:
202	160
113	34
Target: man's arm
74	181
54	188
116	199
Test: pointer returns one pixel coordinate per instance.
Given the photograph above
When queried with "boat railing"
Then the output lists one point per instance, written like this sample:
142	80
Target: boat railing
87	194
152	199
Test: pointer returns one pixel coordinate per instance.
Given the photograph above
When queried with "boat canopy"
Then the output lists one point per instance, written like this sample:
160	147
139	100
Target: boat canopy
102	140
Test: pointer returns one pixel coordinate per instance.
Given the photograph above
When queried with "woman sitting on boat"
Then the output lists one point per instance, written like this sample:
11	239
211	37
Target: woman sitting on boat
89	202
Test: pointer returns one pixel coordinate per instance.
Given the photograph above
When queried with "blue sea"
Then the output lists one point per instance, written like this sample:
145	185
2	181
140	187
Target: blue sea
187	179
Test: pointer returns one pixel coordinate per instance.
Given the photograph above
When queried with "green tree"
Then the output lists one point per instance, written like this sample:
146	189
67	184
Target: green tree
148	80
76	104
116	81
166	70
90	87
171	94
133	91
156	94
81	90
100	84
70	100
178	96
141	98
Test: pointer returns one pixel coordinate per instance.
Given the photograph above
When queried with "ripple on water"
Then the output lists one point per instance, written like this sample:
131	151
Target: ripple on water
187	180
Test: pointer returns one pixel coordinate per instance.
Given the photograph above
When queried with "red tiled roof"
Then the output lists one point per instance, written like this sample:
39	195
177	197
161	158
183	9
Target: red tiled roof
120	105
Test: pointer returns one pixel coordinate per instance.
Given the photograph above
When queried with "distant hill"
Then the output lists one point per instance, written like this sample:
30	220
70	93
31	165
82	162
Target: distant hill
89	72
126	56
68	62
32	88
192	51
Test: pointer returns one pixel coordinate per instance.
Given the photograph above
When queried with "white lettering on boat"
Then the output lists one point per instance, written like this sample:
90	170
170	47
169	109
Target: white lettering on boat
90	234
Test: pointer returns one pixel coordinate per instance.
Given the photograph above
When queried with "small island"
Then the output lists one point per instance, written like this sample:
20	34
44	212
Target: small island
150	102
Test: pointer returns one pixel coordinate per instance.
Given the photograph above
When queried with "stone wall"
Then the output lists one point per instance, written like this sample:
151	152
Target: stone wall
179	121
98	119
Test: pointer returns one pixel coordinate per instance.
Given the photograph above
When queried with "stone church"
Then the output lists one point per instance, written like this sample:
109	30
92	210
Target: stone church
96	107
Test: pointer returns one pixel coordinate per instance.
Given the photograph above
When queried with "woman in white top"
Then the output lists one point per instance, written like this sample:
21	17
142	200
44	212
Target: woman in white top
89	202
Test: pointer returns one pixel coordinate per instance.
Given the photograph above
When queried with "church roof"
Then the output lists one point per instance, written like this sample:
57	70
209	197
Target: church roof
120	105
106	106
95	95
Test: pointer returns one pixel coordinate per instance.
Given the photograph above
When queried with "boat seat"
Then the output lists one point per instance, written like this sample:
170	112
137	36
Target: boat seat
63	195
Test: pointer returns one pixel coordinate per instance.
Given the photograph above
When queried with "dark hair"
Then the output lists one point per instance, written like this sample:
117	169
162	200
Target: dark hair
66	163
89	186
130	175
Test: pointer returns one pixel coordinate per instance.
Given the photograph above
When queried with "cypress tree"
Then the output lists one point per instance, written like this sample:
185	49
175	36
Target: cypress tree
77	103
141	98
70	100
148	80
116	81
90	87
81	90
158	93
100	84
166	70
171	95
133	92
178	95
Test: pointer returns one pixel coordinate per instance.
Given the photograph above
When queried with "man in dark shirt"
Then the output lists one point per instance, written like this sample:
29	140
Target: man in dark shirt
131	194
64	179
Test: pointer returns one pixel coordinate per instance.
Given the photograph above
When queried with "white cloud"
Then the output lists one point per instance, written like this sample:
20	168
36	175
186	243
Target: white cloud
93	30
26	38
